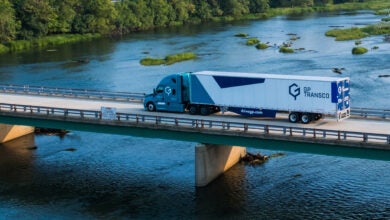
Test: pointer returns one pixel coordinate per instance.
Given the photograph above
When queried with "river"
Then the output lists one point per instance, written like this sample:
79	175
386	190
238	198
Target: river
85	175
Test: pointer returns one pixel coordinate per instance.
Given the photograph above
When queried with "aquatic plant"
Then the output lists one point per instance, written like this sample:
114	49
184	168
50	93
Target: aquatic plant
262	46
286	50
359	50
168	60
241	35
252	41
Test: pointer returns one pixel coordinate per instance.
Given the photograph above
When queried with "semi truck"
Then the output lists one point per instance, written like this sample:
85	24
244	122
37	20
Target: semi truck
304	98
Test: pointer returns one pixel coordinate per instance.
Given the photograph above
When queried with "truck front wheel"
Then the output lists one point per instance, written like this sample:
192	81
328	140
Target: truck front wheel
151	107
293	117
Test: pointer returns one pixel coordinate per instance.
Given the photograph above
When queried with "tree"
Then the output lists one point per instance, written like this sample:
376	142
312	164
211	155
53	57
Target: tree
258	6
235	7
65	11
36	17
8	23
94	16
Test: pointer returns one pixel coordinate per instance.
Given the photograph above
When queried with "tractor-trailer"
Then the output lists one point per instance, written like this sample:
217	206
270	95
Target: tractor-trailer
305	98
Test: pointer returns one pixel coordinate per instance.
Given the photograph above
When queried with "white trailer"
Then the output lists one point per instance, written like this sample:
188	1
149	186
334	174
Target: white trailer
305	98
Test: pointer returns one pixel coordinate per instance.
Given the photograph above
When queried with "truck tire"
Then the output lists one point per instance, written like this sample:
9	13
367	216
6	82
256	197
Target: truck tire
293	117
151	107
204	110
193	110
306	118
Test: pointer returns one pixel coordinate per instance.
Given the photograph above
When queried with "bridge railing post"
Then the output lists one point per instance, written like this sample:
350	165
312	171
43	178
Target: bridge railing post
245	127
314	133
365	138
388	139
266	129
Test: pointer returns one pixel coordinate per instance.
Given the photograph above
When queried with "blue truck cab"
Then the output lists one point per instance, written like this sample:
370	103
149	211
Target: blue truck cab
171	94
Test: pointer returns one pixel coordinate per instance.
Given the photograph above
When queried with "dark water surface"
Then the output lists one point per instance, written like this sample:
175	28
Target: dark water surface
86	175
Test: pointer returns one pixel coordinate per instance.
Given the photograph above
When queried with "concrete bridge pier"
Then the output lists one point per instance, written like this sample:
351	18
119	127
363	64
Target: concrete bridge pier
11	132
213	160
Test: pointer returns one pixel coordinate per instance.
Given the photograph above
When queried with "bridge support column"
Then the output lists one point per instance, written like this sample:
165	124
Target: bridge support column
10	132
213	160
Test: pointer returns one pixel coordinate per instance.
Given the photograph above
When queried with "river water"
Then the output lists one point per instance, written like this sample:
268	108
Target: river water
85	175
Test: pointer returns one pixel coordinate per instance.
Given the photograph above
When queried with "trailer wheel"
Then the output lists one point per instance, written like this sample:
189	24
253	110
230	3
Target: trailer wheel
204	110
306	118
293	117
193	110
151	107
317	117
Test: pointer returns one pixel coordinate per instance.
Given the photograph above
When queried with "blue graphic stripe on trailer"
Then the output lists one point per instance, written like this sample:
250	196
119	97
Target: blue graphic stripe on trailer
199	93
227	81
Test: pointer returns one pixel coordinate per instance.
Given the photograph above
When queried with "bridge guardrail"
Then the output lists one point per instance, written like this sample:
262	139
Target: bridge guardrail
72	93
253	129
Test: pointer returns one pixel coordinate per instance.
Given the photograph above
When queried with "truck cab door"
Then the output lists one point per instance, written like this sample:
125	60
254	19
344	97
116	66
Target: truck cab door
160	98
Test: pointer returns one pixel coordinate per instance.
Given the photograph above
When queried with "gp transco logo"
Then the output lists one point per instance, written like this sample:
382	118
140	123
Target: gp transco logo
294	90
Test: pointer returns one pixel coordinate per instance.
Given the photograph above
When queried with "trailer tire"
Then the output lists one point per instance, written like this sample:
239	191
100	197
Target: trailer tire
193	110
306	118
293	117
151	107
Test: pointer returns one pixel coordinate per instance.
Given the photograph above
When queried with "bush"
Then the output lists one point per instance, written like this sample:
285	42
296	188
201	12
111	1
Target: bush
170	59
252	41
359	50
262	46
386	19
3	49
286	50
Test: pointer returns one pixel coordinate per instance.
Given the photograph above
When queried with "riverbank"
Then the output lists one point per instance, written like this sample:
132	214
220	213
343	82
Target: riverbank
379	6
45	42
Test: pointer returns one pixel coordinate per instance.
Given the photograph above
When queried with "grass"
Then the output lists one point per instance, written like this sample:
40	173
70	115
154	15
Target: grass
358	33
359	50
262	46
20	45
286	50
252	41
386	19
168	60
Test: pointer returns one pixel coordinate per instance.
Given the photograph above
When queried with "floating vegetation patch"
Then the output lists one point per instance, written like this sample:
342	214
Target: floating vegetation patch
241	35
262	46
168	60
359	50
286	50
358	33
252	41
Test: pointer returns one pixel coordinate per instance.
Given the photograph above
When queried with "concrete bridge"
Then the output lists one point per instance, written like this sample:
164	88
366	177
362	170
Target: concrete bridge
123	113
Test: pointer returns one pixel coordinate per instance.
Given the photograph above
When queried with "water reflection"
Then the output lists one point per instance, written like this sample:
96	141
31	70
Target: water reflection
17	160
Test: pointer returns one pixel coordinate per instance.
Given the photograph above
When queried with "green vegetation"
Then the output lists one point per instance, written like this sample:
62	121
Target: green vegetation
386	19
241	35
49	41
252	41
286	50
358	42
262	46
359	50
3	49
168	60
358	33
33	19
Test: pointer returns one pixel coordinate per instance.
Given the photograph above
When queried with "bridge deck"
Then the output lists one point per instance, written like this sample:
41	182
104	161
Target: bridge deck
357	129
